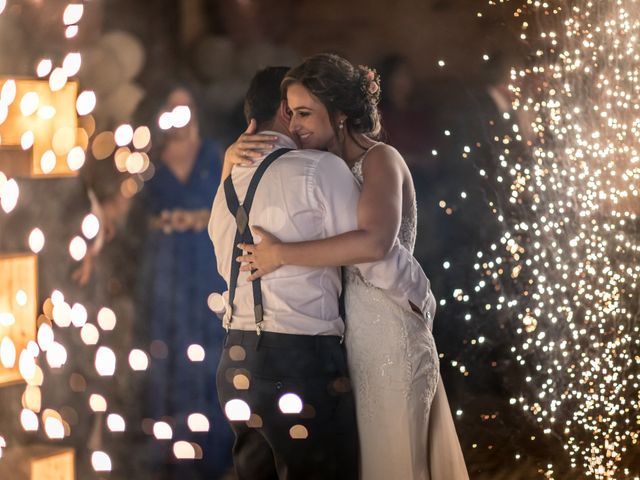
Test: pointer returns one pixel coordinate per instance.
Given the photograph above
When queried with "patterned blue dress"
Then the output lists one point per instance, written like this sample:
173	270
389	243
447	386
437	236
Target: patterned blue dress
177	275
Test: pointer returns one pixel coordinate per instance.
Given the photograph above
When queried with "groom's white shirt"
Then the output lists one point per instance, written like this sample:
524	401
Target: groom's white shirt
306	195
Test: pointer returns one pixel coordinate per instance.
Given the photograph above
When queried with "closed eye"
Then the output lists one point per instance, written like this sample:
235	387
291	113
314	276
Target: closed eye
302	111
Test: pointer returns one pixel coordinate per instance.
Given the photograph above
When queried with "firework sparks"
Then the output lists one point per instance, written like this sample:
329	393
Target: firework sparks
567	263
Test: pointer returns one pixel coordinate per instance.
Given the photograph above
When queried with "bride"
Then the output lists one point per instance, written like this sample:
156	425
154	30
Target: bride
404	422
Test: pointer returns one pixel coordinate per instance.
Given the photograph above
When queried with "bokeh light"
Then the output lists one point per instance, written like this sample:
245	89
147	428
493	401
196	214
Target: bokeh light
90	334
7	352
57	80
138	360
79	315
56	355
196	353
101	461
106	319
77	248
27	139
44	67
62	314
48	161
10	194
123	135
187	450
45	337
36	240
105	361
198	422
71	64
54	428
97	403
86	102
29	420
141	137
75	158
7	319
116	423
72	13
29	103
90	226
237	410
290	403
162	431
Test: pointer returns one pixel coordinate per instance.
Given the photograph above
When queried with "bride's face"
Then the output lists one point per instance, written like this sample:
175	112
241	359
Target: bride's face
310	123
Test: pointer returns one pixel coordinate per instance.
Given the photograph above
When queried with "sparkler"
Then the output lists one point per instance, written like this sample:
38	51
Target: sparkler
567	265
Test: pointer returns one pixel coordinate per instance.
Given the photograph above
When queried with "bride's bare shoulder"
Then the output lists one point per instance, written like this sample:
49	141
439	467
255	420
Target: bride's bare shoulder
383	156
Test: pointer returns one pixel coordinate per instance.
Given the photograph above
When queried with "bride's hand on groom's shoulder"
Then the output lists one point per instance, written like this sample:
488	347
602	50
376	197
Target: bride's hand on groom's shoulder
249	146
260	258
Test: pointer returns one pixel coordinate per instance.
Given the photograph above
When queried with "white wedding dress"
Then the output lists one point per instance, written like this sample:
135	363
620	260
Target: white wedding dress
404	422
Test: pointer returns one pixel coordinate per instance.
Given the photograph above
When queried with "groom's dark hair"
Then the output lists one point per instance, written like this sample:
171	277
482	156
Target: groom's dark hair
263	97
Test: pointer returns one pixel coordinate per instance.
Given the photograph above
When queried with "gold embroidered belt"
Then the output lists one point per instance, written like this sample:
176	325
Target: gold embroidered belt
179	220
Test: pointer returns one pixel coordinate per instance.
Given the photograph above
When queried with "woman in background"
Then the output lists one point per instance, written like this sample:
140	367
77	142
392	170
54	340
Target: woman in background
178	272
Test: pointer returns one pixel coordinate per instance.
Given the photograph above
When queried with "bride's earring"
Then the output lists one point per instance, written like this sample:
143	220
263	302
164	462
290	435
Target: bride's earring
341	137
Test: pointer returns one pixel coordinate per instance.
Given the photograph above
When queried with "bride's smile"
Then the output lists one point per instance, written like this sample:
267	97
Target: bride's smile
310	122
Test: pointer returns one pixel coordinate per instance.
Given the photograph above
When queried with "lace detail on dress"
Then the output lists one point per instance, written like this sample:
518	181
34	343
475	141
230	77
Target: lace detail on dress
409	221
394	367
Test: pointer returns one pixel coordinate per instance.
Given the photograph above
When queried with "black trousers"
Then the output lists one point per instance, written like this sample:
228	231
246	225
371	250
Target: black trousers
309	434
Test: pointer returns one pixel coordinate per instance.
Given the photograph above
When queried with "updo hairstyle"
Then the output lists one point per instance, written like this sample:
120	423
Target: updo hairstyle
341	87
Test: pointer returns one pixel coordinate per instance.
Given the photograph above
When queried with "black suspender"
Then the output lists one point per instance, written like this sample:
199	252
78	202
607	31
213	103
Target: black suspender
243	235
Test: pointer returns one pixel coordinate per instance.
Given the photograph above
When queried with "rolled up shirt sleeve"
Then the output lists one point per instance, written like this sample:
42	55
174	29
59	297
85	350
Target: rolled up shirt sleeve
401	277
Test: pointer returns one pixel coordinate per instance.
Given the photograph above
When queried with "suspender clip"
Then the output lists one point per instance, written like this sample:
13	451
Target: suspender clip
259	314
226	319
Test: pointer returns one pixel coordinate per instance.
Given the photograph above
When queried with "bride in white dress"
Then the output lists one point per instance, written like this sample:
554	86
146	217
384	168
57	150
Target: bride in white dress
404	421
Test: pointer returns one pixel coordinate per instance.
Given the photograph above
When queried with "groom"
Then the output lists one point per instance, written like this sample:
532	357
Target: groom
282	377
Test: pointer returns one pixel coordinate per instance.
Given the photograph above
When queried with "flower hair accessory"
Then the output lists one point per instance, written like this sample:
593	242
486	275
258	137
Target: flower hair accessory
371	83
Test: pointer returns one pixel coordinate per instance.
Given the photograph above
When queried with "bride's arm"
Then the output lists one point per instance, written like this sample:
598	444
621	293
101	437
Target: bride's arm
379	213
399	274
248	146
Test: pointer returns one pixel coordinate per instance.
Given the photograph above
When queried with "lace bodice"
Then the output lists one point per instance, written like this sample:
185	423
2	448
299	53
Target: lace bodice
408	223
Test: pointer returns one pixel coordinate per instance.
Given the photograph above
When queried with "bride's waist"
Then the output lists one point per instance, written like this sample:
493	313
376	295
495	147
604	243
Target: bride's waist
353	276
357	289
361	294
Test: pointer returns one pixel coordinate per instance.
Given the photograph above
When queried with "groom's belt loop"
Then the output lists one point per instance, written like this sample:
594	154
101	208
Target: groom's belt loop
243	235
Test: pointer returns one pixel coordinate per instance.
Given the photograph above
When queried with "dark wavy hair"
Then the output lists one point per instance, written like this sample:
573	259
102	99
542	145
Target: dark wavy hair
263	96
341	87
